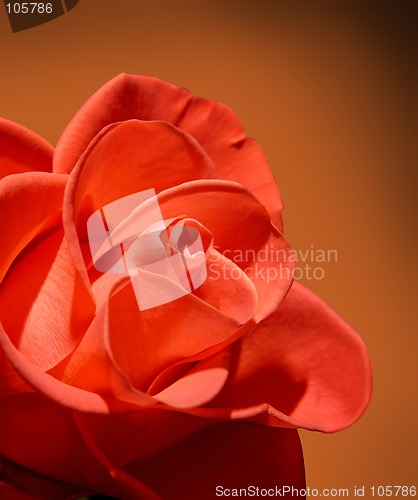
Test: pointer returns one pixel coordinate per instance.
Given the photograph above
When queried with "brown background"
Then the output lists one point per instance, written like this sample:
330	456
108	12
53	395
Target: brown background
328	89
39	14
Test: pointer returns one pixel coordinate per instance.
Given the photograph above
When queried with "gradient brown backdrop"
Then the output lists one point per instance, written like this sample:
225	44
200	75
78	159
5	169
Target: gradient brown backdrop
328	89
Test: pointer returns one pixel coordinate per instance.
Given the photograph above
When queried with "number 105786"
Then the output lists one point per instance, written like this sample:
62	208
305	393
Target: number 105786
29	8
395	491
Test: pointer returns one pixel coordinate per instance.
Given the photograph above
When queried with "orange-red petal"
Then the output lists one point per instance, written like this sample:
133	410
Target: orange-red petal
127	158
43	437
144	343
303	365
200	385
226	456
30	203
44	306
21	150
26	376
242	232
24	484
212	124
134	435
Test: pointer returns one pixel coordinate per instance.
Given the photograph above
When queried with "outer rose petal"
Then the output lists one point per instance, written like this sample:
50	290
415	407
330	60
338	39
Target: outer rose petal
135	435
21	443
42	436
135	155
9	492
126	158
30	203
47	316
20	376
306	362
213	125
232	455
21	150
122	430
24	484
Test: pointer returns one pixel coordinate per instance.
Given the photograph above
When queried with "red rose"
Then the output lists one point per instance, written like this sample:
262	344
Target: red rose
99	395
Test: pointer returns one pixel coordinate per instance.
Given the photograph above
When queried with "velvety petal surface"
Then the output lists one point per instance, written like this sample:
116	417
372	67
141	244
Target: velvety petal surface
213	125
30	203
42	436
134	156
305	363
144	343
46	317
24	484
242	232
200	385
90	366
125	348
228	289
124	159
231	455
20	375
21	150
138	434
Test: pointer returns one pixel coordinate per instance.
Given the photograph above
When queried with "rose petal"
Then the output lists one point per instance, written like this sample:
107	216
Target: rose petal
47	316
29	204
144	343
242	231
111	479
21	150
127	158
10	380
42	436
9	492
304	361
228	289
24	484
134	156
91	369
214	126
22	372
128	437
231	455
200	385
